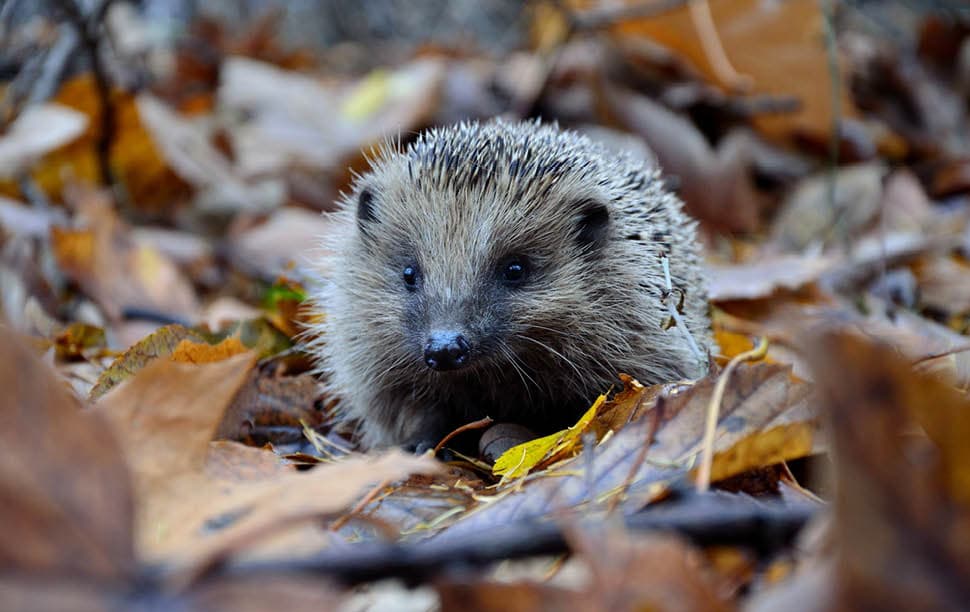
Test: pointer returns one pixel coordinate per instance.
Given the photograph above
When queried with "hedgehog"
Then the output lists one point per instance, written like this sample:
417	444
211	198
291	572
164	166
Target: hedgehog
503	269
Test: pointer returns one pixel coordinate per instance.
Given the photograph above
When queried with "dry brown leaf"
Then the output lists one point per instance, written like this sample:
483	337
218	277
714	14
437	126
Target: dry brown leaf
790	33
905	205
636	571
189	152
38	130
765	275
268	592
289	236
944	284
271	402
153	187
296	120
167	414
114	270
491	596
896	486
810	216
66	497
158	344
188	351
204	518
715	185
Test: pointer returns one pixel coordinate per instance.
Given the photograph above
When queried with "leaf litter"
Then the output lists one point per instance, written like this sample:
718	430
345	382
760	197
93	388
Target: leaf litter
162	418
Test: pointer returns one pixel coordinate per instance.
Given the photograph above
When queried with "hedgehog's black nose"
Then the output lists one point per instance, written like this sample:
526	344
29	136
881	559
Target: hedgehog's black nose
446	350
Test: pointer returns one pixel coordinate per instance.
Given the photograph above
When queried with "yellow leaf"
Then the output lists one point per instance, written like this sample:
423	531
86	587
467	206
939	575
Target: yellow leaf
523	458
368	97
158	344
188	351
767	447
74	249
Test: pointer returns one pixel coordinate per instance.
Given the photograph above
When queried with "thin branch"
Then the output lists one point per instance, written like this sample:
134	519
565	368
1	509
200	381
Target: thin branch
88	28
714	408
675	313
710	519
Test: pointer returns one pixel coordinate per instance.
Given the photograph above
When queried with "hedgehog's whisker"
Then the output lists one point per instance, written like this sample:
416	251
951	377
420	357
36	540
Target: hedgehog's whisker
397	363
523	375
569	362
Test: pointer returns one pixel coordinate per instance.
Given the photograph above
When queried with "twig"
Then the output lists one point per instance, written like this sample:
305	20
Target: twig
714	407
88	29
709	519
359	506
832	54
466	427
947	353
52	72
675	314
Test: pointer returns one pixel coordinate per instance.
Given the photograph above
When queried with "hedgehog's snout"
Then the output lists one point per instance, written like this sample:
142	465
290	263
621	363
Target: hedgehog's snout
446	350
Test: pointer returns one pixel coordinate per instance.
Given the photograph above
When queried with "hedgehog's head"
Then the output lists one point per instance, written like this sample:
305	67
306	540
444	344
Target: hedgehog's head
477	246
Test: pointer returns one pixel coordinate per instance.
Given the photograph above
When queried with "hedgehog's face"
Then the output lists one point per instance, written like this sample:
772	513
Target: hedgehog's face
477	282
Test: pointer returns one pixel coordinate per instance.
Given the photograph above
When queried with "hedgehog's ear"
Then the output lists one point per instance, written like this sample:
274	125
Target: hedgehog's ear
593	224
365	208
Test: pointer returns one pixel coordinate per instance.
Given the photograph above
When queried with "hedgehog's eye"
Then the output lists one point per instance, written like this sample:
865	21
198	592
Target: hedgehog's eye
513	270
410	276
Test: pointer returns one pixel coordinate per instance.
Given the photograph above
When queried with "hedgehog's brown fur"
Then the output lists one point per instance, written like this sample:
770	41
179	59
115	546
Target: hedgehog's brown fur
593	226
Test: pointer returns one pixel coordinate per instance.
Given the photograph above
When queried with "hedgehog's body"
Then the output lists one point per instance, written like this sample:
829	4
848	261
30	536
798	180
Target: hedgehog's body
508	270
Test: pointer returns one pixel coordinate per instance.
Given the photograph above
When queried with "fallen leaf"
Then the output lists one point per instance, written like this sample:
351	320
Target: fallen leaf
765	275
38	130
158	344
944	284
895	485
188	150
67	502
167	414
187	351
296	120
114	270
268	405
790	33
289	236
809	215
714	184
520	460
644	571
150	183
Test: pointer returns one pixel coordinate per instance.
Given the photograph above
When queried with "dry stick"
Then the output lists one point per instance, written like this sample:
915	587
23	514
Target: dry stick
359	506
182	576
835	82
700	15
707	521
714	407
479	424
675	315
947	353
87	27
